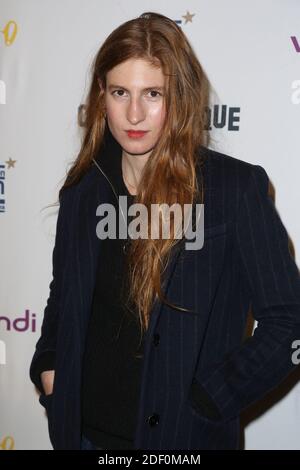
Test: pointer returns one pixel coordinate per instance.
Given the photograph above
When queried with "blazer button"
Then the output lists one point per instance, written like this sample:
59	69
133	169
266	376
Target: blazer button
156	339
125	247
153	419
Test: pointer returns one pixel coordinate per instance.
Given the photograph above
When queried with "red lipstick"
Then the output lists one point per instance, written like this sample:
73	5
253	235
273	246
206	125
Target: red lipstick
136	134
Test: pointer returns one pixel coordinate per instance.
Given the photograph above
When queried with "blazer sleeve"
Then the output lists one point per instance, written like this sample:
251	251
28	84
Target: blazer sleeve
44	355
271	276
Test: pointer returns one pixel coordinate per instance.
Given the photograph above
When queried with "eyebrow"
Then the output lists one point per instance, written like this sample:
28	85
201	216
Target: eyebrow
145	89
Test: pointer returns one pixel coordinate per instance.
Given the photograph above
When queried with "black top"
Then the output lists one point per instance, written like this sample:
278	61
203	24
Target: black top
112	362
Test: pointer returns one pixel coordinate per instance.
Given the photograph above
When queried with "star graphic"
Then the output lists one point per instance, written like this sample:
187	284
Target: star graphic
188	17
10	163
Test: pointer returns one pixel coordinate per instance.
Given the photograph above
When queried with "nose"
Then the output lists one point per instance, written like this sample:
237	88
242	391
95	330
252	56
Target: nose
135	111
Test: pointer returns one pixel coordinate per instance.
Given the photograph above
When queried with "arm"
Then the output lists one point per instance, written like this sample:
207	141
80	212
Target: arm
272	279
44	356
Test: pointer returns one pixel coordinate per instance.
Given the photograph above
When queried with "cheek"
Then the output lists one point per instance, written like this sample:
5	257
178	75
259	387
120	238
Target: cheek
111	108
158	116
112	114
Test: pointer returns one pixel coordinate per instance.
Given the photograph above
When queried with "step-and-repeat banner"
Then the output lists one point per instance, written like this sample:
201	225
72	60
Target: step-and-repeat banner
251	54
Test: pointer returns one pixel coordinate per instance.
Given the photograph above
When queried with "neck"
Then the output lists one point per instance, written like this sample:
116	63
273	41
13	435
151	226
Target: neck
132	168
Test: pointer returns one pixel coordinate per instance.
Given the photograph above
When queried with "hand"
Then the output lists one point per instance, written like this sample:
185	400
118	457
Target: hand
47	379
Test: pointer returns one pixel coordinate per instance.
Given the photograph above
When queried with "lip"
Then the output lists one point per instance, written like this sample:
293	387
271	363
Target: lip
135	134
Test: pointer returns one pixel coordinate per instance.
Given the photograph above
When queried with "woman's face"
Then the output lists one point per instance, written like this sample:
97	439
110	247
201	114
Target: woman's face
134	100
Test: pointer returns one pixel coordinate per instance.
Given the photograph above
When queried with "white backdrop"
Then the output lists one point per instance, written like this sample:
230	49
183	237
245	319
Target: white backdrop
46	49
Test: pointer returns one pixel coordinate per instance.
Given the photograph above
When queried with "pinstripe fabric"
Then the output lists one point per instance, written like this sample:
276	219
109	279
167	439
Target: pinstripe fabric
244	261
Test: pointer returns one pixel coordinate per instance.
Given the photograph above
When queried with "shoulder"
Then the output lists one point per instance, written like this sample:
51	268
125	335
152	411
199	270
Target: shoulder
231	172
88	180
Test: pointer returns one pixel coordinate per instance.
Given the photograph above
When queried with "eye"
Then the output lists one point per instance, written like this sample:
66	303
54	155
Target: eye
117	91
154	91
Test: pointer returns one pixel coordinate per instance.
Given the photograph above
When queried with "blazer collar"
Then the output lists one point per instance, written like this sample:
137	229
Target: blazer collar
109	159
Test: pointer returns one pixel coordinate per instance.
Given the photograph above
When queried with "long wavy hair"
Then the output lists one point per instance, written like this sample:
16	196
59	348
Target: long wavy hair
169	176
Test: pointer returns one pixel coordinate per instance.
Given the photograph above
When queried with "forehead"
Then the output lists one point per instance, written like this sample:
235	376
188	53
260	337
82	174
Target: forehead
136	72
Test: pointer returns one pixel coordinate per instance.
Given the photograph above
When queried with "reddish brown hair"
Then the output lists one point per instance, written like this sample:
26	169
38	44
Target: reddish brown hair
169	175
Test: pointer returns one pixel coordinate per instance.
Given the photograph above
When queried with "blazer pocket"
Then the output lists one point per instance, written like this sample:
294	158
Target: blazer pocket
215	231
202	403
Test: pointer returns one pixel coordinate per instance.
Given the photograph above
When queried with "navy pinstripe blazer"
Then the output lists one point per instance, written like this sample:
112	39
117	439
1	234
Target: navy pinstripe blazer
198	372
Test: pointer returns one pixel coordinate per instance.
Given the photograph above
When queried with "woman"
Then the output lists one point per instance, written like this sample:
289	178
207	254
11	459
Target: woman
142	340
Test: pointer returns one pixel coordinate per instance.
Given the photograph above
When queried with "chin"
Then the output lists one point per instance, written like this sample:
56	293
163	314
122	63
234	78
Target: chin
136	151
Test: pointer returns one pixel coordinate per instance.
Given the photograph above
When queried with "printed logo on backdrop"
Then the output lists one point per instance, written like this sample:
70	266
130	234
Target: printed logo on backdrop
223	117
7	443
188	18
10	164
296	43
26	322
2	187
20	324
295	96
10	32
217	116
